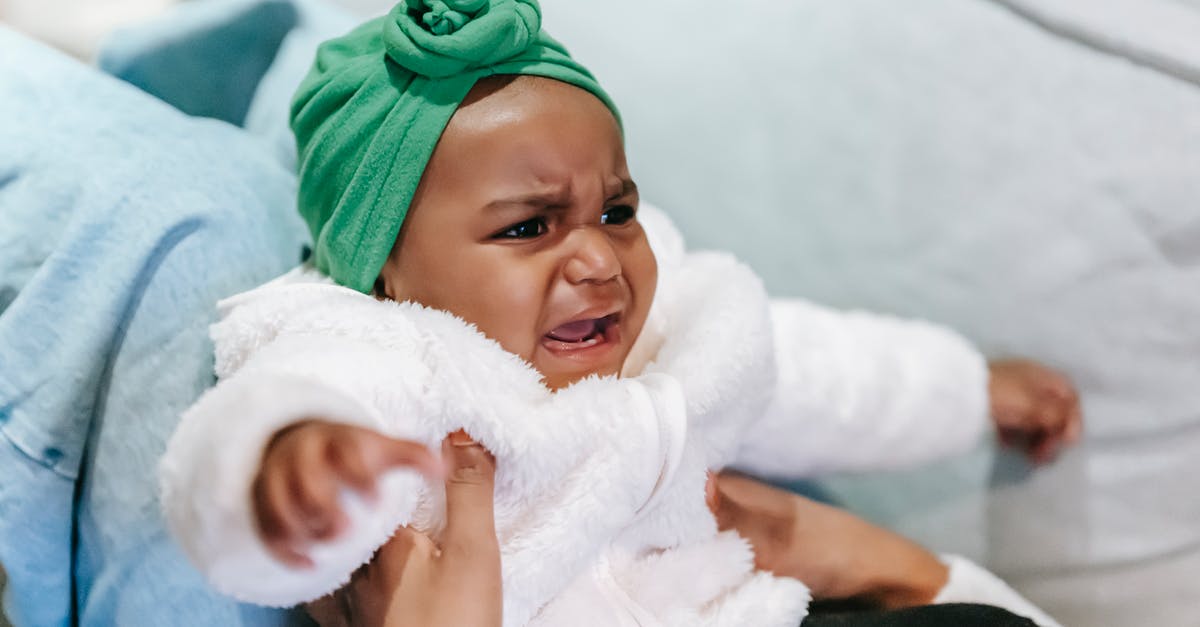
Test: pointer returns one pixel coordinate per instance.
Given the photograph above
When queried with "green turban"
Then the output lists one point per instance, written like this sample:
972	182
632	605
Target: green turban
370	112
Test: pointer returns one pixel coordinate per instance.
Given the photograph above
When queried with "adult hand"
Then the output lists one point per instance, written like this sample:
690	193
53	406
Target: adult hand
836	554
452	580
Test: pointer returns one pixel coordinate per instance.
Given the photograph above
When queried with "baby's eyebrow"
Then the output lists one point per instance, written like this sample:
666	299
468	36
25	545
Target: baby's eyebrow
548	198
622	187
559	197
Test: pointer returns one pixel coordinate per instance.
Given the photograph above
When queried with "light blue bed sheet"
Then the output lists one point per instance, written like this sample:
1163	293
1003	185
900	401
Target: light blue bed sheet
122	221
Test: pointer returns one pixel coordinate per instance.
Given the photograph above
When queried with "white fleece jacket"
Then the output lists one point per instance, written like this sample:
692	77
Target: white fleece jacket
600	507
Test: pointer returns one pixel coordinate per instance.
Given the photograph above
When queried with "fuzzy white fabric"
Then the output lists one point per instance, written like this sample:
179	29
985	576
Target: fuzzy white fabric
969	583
859	391
600	505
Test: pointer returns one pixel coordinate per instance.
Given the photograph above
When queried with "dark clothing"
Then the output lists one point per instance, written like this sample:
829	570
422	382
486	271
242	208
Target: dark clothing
948	615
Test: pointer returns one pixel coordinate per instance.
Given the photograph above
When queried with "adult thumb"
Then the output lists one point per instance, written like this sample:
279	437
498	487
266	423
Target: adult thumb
729	513
470	484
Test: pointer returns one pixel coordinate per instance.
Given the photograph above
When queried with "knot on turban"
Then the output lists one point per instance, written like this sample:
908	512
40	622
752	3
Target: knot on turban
370	112
440	38
444	18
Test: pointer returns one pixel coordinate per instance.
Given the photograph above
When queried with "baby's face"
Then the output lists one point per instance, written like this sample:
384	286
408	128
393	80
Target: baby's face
525	224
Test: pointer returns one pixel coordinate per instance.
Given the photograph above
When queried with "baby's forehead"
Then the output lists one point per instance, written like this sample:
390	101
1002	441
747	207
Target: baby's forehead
527	132
514	85
505	99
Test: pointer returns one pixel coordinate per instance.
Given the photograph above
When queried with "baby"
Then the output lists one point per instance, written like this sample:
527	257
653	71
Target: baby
463	171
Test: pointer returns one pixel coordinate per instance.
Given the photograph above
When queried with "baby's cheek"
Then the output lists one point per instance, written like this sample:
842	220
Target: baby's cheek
510	315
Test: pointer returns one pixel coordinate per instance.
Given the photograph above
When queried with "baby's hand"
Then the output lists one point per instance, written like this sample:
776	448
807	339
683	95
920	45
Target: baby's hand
1035	408
305	465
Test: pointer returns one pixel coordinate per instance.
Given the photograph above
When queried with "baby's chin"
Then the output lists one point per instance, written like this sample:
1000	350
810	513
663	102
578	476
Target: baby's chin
560	379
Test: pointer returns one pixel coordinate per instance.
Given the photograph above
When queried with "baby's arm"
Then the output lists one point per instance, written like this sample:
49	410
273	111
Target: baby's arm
213	465
862	391
859	391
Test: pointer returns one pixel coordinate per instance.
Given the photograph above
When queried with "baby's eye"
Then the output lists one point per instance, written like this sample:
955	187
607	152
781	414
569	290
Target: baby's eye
530	228
617	215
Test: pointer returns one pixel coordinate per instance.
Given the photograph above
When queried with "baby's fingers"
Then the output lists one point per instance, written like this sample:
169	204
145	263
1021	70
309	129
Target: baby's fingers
279	530
1057	386
1053	432
1074	429
312	508
314	491
283	551
1044	449
381	453
348	460
300	492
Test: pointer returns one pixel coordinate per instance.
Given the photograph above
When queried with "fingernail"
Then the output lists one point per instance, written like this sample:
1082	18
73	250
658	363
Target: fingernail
460	438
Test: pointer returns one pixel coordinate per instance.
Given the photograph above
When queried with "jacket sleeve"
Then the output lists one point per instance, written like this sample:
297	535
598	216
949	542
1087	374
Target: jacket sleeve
969	583
858	391
211	461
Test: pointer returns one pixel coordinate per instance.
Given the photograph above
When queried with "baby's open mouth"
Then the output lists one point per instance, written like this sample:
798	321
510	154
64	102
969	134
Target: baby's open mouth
580	334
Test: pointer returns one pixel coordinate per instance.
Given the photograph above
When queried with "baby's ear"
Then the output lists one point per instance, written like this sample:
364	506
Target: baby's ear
380	289
388	282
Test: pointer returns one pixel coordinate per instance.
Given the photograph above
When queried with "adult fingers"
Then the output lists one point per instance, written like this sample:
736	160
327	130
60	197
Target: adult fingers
728	511
404	545
402	562
470	558
470	533
330	610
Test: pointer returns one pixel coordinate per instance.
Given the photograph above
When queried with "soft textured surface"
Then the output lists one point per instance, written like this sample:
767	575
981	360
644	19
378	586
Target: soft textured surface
599	489
1159	34
368	115
121	223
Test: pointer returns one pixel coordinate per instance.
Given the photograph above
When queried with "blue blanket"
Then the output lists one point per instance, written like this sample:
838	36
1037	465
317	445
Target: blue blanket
122	221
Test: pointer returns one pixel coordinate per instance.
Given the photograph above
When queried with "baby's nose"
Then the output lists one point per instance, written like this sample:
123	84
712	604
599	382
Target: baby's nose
592	256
